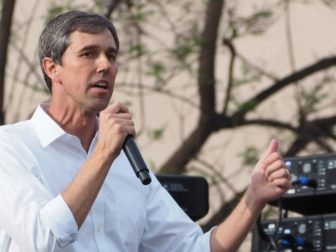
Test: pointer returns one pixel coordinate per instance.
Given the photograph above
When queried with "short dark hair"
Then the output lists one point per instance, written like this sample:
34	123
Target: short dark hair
54	39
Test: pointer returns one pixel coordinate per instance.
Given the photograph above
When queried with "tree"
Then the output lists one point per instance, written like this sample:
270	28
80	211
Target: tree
195	51
190	55
5	24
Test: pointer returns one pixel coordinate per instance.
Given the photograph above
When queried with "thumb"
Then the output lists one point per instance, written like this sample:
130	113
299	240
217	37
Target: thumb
272	147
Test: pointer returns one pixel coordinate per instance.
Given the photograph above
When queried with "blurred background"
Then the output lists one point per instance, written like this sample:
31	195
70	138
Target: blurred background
209	82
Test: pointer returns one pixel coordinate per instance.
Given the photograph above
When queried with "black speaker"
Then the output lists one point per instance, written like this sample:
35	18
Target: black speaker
190	192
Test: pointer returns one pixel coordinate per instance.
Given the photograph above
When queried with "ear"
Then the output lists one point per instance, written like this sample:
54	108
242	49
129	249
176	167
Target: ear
50	68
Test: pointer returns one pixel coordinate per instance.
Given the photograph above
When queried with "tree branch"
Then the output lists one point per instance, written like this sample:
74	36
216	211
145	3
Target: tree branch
206	88
232	50
312	131
278	85
5	25
111	5
206	71
223	212
190	147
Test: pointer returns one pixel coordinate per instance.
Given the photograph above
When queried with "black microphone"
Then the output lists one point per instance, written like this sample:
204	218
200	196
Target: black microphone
138	164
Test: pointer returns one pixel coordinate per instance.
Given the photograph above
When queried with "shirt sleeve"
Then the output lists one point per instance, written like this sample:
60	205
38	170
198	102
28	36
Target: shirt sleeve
61	221
168	228
30	215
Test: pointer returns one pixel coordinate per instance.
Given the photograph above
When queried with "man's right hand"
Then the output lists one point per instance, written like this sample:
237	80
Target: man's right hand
115	125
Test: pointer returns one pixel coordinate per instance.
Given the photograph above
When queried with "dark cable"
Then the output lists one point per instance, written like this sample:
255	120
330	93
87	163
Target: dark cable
271	238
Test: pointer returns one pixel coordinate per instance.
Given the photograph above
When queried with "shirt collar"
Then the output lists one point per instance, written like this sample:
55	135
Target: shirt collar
46	128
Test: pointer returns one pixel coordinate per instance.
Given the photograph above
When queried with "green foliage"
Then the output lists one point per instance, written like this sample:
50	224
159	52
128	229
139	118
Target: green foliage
186	46
157	70
314	97
181	52
250	156
248	106
156	134
57	8
137	50
142	15
100	5
254	24
135	13
249	75
257	23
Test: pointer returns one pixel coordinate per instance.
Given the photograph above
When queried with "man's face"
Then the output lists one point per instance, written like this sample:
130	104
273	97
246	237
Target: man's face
87	71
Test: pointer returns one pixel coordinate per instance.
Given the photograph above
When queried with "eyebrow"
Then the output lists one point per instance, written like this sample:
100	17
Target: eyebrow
96	47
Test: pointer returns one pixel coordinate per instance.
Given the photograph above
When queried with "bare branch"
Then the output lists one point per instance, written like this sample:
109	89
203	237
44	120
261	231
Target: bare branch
280	84
223	212
232	50
111	5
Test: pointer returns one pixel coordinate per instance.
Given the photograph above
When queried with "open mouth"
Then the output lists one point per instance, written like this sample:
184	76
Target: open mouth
101	85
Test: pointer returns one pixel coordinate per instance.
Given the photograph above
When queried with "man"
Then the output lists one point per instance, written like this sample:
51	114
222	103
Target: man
66	185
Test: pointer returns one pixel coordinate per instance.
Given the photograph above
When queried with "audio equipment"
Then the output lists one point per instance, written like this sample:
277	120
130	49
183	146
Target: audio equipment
189	192
307	233
314	184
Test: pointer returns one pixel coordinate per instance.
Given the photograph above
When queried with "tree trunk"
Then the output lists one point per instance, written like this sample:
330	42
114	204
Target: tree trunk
206	88
5	25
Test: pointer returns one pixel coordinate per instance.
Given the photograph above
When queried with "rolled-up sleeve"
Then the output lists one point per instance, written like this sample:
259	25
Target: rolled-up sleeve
32	218
61	221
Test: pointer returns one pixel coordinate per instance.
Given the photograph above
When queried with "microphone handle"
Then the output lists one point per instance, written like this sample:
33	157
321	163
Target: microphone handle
138	164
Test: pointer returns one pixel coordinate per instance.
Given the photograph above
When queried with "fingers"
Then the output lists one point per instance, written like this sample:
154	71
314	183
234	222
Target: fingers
262	163
270	178
115	124
276	172
272	147
282	183
273	162
116	108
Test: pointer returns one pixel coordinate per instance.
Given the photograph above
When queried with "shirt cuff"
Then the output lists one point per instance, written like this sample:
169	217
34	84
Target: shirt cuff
60	220
205	241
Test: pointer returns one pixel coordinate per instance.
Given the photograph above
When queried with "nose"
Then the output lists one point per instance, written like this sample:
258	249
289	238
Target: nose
104	64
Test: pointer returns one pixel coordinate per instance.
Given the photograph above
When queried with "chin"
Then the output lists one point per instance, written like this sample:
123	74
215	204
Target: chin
102	106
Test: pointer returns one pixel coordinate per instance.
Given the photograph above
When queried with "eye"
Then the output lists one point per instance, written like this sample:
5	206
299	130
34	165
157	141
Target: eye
111	56
88	54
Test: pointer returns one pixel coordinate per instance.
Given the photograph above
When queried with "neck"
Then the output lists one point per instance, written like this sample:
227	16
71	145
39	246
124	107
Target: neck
78	123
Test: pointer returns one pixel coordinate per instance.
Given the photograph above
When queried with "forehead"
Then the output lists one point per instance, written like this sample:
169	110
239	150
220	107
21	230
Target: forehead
104	39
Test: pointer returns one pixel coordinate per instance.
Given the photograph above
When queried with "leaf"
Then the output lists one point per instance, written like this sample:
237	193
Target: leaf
247	106
250	156
156	70
182	52
156	134
137	50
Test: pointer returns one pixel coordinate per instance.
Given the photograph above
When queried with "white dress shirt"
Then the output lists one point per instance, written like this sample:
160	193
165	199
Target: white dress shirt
38	160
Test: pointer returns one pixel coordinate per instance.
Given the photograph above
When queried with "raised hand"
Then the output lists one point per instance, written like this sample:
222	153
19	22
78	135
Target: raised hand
270	177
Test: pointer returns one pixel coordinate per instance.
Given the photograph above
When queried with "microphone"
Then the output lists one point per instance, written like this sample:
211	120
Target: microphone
138	164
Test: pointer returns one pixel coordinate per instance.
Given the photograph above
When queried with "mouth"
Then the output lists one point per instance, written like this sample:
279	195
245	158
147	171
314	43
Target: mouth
100	84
